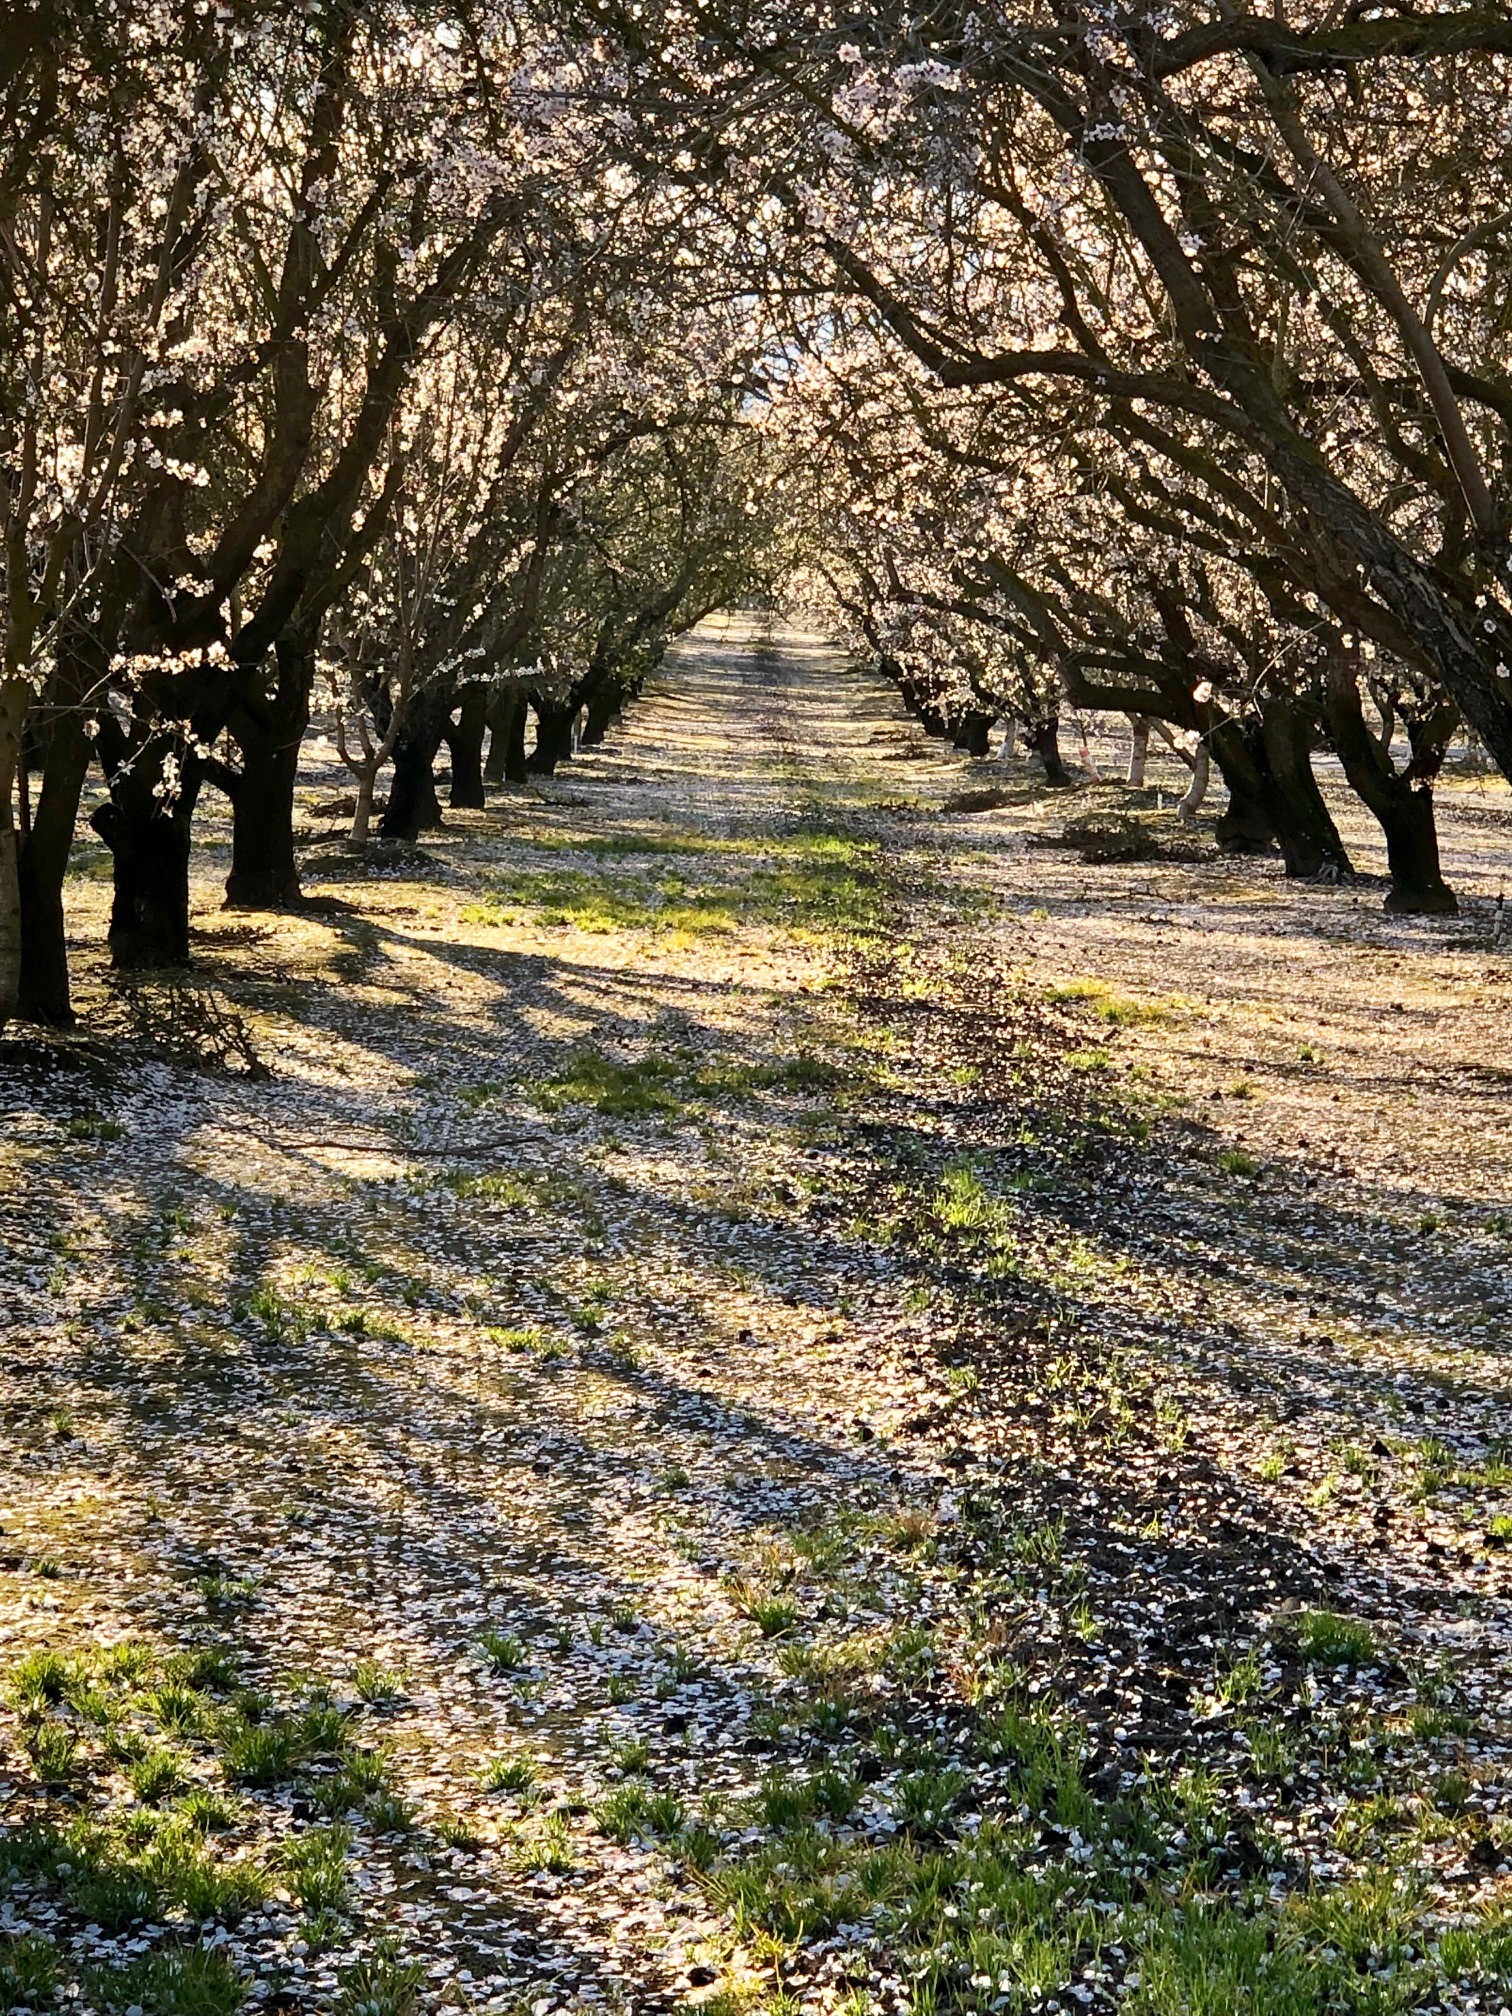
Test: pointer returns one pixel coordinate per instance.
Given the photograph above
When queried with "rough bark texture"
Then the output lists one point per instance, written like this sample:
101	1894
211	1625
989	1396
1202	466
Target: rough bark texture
269	724
507	713
264	871
413	807
973	733
43	868
1244	825
10	924
1139	749
603	710
464	738
15	695
1402	801
1043	738
554	722
1190	802
149	915
1310	842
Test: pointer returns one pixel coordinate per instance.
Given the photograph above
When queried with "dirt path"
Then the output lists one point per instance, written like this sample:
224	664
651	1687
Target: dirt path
736	1273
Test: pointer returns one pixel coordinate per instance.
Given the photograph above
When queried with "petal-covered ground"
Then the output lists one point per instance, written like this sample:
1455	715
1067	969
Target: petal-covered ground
783	1398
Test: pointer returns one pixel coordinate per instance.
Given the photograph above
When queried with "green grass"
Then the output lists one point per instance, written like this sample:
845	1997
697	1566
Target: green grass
1120	1009
811	881
1328	1639
517	1775
383	1984
174	1981
155	1775
316	1865
632	1812
376	1684
773	1614
529	1340
112	1874
622	1091
504	1652
1234	1162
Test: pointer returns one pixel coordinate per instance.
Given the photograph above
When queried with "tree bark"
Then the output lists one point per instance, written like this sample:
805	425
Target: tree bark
1190	803
1310	842
362	807
464	737
1139	749
1044	739
44	868
413	807
973	733
505	708
15	697
554	721
516	767
264	873
149	837
1402	802
604	708
269	727
1244	825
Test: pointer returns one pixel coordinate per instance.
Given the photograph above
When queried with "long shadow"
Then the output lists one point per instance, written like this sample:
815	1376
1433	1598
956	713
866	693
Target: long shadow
412	1496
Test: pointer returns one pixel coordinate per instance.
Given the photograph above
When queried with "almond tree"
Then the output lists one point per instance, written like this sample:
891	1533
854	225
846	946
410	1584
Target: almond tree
1253	245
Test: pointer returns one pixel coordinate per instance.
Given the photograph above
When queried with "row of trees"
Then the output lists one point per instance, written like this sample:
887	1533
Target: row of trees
437	362
344	360
1159	359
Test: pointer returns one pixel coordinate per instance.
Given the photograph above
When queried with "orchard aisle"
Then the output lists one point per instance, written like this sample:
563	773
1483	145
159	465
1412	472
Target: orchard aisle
733	1385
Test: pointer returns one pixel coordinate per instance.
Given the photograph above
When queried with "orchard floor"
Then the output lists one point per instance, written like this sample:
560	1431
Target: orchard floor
785	1400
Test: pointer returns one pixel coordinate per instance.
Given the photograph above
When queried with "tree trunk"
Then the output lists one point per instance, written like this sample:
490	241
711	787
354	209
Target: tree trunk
1190	803
10	923
1044	739
413	807
149	838
516	766
269	727
1401	803
264	873
1139	749
1009	750
554	719
1244	825
603	709
1310	842
15	697
973	733
44	868
464	737
503	704
362	808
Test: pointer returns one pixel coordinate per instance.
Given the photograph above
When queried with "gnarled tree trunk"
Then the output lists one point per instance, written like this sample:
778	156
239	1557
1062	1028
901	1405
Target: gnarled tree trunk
554	724
1244	824
604	708
147	827
413	807
1139	749
269	726
1043	738
1310	842
464	738
506	743
1402	801
973	733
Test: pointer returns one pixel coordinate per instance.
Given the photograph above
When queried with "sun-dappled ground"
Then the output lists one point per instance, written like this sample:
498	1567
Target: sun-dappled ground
783	1398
